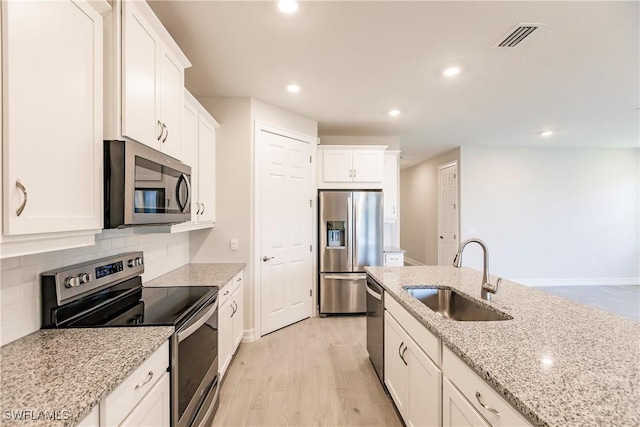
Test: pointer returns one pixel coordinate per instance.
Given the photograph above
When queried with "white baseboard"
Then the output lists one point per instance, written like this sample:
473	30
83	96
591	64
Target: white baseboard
411	262
591	281
249	335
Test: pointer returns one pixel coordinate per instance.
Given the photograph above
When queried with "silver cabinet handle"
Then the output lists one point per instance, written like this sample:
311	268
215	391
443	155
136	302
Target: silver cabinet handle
354	173
239	279
267	258
198	208
161	130
143	383
225	293
166	135
203	208
394	210
488	408
22	188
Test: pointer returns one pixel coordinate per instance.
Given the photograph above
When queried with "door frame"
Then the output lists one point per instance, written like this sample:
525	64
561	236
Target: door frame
254	261
457	172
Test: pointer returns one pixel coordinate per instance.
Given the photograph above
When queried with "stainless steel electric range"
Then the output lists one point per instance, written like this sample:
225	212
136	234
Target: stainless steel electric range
109	292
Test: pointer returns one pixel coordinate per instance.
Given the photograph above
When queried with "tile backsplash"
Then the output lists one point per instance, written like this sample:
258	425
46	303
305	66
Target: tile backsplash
20	285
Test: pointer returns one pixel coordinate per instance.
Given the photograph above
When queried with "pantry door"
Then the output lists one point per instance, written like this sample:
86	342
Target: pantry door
285	221
447	213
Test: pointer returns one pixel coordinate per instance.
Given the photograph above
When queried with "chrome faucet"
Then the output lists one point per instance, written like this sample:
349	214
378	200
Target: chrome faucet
487	288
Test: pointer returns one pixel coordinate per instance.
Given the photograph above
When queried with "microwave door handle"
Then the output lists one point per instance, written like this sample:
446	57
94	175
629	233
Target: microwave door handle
201	320
183	178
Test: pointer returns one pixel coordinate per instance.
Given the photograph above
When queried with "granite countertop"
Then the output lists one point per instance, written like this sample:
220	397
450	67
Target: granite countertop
560	363
208	274
65	373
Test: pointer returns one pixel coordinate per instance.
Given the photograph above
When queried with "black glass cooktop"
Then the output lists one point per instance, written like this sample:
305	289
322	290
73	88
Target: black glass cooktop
129	304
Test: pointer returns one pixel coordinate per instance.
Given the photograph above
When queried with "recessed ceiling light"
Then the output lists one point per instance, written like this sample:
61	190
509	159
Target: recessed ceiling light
394	113
293	88
451	71
546	133
288	6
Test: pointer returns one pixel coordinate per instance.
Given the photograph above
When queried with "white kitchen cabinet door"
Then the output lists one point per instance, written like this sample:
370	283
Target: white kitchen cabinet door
153	410
171	89
396	374
337	166
238	317
190	145
390	186
206	169
225	334
368	165
52	55
456	409
140	84
424	388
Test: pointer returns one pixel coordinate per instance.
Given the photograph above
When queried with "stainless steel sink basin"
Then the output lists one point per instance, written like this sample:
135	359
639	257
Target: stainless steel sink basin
452	305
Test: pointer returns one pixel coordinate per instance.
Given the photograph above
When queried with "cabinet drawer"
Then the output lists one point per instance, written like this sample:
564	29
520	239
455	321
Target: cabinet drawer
124	398
469	383
237	281
428	342
225	293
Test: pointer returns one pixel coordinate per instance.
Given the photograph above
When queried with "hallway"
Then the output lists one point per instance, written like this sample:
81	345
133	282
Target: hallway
314	373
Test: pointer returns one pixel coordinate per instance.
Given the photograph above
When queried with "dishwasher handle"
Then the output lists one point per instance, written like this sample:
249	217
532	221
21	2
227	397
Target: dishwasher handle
373	293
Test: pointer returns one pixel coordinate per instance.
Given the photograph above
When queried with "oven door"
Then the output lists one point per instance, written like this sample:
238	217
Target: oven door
194	361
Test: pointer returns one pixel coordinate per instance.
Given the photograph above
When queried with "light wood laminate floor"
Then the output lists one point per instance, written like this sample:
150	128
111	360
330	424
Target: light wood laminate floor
314	373
622	300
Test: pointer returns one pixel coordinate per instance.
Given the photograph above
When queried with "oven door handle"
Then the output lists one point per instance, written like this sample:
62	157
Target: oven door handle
198	322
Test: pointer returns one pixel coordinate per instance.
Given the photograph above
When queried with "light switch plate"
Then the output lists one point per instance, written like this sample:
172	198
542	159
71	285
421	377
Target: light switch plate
233	244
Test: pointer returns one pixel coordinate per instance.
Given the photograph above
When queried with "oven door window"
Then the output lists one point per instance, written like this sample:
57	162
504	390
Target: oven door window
196	356
160	189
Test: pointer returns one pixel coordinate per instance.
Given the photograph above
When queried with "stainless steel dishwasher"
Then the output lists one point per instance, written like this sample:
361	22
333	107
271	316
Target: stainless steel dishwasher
375	326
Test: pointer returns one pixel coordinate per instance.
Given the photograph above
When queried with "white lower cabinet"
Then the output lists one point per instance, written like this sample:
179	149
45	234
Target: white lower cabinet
143	398
230	321
413	380
479	395
456	409
153	409
430	385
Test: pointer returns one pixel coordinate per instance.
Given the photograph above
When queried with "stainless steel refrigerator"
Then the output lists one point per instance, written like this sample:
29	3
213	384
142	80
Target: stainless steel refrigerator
350	238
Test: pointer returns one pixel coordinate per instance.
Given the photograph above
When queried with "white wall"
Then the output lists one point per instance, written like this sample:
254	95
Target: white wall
20	286
419	208
553	215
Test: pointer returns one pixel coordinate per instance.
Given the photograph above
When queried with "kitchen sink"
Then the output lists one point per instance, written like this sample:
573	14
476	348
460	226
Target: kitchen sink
452	305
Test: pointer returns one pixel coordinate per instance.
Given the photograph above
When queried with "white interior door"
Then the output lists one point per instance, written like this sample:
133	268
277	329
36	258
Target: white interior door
286	224
447	213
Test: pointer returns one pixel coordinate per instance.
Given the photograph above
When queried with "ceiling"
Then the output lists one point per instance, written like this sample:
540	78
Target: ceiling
578	75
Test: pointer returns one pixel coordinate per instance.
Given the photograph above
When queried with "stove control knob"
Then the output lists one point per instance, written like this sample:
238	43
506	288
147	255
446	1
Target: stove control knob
83	278
71	282
139	261
131	262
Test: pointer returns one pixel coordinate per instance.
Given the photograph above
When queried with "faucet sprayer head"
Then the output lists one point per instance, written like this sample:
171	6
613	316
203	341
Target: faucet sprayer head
457	261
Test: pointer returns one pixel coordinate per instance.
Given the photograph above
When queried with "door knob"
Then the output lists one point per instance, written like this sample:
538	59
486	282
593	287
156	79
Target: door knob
441	237
267	258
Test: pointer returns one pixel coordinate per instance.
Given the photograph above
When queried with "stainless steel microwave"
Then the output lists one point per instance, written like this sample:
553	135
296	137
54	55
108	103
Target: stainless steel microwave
143	186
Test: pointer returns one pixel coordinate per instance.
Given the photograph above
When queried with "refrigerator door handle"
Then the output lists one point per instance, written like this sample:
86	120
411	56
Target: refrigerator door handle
345	277
348	232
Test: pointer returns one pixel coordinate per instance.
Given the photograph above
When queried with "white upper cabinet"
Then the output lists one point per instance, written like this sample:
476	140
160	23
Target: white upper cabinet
350	167
199	141
144	100
390	186
52	67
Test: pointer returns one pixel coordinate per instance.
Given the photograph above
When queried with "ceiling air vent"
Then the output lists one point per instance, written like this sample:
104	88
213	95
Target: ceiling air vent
516	35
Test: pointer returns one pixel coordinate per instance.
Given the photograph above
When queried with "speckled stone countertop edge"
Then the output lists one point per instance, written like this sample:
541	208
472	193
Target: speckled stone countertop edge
198	274
24	392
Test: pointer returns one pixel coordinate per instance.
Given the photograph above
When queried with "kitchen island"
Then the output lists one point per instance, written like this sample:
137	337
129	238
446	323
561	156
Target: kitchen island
557	362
